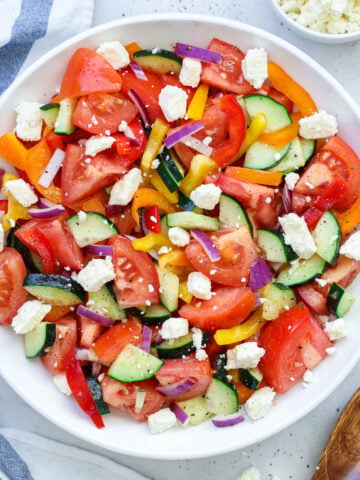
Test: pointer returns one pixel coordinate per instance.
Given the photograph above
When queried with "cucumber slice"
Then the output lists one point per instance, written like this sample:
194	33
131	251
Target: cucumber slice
169	288
232	214
180	347
63	124
167	177
96	392
158	60
54	289
154	315
303	272
277	298
95	228
274	246
327	236
49	113
221	398
185	203
40	339
308	148
251	377
28	256
276	114
338	300
191	220
164	225
104	302
293	160
134	365
172	164
196	409
262	156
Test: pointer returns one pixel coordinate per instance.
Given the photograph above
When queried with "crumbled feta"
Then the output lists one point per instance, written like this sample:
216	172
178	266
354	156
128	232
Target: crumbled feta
297	235
351	248
2	238
96	273
172	101
28	121
245	355
190	72
206	196
318	125
155	164
29	315
178	236
115	53
322	281
199	285
201	355
197	337
291	180
250	474
97	144
254	66
82	216
161	420
164	249
174	328
331	351
61	384
123	190
308	376
22	192
335	329
260	402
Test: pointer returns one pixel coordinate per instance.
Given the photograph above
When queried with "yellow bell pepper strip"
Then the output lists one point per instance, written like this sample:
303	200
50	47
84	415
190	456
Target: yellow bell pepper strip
287	85
240	332
146	197
154	144
175	257
156	182
12	150
37	159
255	129
200	166
282	136
15	210
151	241
251	175
198	102
184	293
349	219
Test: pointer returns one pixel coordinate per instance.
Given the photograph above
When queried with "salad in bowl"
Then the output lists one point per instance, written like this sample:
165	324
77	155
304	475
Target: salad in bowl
178	232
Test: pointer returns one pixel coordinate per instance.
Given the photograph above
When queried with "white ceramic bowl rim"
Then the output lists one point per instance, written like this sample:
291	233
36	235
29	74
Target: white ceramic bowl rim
287	419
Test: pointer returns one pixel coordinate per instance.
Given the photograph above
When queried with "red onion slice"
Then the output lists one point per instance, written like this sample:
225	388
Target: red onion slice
203	54
228	420
138	71
100	250
182	132
82	354
90	314
176	388
286	199
180	414
95	368
141	107
260	274
112	210
45	203
52	168
46	212
197	145
204	240
146	338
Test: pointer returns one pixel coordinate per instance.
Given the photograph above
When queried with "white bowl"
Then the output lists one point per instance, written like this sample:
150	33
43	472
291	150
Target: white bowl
33	383
312	34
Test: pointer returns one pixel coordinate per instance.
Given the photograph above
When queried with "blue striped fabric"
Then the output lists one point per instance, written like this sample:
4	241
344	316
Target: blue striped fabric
10	462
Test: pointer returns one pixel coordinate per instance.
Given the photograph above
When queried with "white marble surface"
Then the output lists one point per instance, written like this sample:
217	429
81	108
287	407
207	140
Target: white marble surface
293	453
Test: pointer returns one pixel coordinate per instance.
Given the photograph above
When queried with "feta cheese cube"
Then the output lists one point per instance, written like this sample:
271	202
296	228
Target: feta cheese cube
161	420
22	192
199	285
96	273
115	53
29	315
297	235
291	180
339	6
174	328
97	144
260	402
190	72
61	384
335	329
331	351
124	189
308	376
201	355
28	121
206	196
254	66
172	101
351	248
197	337
2	238
250	474
318	125
245	355
178	236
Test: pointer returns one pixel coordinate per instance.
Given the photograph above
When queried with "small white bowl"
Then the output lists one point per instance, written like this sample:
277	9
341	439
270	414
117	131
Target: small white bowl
312	34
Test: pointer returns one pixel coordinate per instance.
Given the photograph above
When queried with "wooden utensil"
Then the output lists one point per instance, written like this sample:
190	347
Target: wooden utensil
340	459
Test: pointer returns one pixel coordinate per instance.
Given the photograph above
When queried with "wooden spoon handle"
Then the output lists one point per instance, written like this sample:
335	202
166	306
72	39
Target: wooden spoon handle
340	459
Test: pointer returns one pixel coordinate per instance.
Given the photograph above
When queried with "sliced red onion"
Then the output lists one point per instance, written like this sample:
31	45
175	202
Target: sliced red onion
67	272
286	199
146	338
228	420
46	212
45	203
138	71
112	210
260	274
141	107
207	244
100	250
182	132
197	145
82	354
52	168
90	314
257	301
176	388
203	54
180	414
95	368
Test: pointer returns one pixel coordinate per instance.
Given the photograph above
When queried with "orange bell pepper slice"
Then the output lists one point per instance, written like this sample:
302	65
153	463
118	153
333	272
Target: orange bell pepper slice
175	257
131	48
280	137
146	197
349	219
56	313
13	151
295	92
250	175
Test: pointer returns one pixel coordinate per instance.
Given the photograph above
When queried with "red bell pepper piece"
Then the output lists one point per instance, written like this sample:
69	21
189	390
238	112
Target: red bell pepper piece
3	205
152	219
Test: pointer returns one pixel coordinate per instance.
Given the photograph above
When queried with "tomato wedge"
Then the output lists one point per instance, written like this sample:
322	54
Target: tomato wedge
12	293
